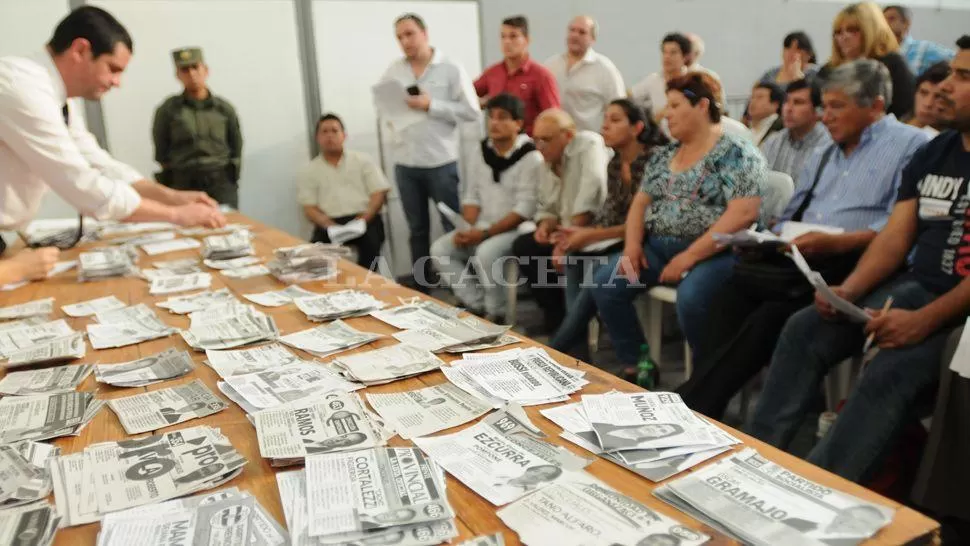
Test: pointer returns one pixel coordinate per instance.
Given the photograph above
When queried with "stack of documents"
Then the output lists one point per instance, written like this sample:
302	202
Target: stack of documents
149	370
232	263
452	335
52	351
309	262
205	232
45	381
229	517
228	327
586	511
426	411
658	439
183	305
26	310
412	316
90	307
271	388
246	272
16	339
112	476
174	245
335	305
247	361
110	229
107	262
126	326
335	421
36	522
756	501
328	339
42	417
277	298
166	407
24	469
225	247
527	377
387	364
180	283
181	266
140	239
341	233
502	457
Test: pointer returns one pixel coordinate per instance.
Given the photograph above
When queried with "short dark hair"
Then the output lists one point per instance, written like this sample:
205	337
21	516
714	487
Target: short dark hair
517	21
814	91
904	12
411	17
651	135
330	116
95	25
510	103
682	41
963	42
934	74
804	43
696	86
775	93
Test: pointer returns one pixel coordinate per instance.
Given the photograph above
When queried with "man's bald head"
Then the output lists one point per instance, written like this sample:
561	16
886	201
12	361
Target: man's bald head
580	35
696	49
553	130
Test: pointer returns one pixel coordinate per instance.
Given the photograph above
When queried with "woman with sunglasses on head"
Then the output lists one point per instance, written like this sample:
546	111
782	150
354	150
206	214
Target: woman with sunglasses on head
27	265
860	31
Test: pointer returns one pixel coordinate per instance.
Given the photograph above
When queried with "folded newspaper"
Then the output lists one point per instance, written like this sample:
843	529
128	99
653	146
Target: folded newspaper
90	307
271	388
450	335
32	524
148	370
527	377
107	262
387	364
232	263
308	262
126	326
334	421
13	340
24	477
46	416
236	244
44	381
166	407
228	517
328	339
52	351
112	476
335	305
759	502
190	303
180	283
277	298
242	326
26	310
502	457
426	411
247	361
416	315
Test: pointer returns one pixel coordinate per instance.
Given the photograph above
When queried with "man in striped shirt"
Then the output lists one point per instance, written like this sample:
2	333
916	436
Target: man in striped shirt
919	54
787	150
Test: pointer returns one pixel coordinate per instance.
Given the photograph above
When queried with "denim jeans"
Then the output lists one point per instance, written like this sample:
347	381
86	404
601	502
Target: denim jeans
572	335
881	402
613	294
485	286
417	185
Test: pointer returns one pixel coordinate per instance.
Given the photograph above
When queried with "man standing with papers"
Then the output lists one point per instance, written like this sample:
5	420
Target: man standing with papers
342	193
426	150
929	224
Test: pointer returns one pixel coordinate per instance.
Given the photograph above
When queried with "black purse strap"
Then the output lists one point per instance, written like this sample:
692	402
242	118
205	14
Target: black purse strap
797	217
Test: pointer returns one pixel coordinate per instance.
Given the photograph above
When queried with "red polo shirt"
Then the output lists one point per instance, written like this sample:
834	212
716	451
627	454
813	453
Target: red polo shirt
531	82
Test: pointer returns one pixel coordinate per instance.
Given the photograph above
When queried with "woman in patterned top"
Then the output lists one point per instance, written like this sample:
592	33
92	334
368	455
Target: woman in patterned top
705	183
633	136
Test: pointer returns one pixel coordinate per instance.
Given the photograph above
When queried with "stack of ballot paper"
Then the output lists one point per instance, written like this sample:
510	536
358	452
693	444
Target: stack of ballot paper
247	361
335	305
328	339
162	408
205	232
330	422
46	416
282	385
341	233
387	364
26	479
34	308
107	262
229	517
174	245
309	262
113	476
277	298
180	283
45	381
652	434
126	326
17	339
227	327
139	239
451	335
36	522
426	411
183	305
527	377
225	247
90	307
51	351
148	370
232	263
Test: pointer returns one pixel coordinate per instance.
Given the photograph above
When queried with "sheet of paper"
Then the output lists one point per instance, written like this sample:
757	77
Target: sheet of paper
390	100
154	249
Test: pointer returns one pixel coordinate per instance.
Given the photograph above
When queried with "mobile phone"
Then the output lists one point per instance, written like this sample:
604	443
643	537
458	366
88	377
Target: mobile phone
413	91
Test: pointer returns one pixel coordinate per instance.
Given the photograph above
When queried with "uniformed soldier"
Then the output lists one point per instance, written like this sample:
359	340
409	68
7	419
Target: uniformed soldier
198	142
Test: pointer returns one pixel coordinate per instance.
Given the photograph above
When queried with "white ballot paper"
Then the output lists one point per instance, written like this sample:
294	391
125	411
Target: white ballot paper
247	361
341	233
181	264
205	232
501	457
277	298
413	316
246	272
587	512
328	339
61	349
25	477
162	247
390	101
148	370
46	416
12	341
180	283
762	503
46	380
644	420
428	410
447	335
158	409
270	388
334	421
227	330
235	244
90	307
527	377
190	303
485	540
340	304
960	363
842	305
456	219
126	326
30	525
387	364
30	309
232	263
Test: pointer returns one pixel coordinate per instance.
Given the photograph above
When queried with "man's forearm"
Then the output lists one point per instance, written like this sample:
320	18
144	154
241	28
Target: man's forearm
318	217
470	213
882	258
507	223
374	205
952	305
152	211
853	241
154	191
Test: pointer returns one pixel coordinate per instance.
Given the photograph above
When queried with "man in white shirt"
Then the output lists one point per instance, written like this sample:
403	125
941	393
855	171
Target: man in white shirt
499	194
43	144
341	186
587	80
694	58
426	151
650	93
764	109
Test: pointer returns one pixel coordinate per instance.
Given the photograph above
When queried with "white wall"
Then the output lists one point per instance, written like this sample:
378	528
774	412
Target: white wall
251	49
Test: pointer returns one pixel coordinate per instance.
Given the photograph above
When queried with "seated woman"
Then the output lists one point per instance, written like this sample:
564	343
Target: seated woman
633	136
705	183
797	61
28	265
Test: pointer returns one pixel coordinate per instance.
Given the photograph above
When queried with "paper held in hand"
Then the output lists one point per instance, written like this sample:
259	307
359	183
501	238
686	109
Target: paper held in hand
840	304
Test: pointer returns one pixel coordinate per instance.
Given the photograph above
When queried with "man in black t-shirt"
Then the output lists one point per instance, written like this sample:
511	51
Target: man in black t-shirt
930	220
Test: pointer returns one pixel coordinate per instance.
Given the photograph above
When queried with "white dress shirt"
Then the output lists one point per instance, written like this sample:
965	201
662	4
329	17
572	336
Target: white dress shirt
582	187
650	93
434	141
515	190
38	151
587	88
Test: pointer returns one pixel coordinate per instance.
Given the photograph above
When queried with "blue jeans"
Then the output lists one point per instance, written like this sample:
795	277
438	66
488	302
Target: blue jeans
417	185
881	402
612	295
580	307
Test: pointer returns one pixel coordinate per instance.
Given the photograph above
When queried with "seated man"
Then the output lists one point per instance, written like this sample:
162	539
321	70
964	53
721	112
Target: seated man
851	185
926	107
787	150
572	186
764	110
928	230
339	186
500	194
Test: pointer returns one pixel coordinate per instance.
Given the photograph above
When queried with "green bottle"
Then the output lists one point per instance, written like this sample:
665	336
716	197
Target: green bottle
648	374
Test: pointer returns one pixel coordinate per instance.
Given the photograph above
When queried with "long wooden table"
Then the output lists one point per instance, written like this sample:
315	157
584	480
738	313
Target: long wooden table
476	516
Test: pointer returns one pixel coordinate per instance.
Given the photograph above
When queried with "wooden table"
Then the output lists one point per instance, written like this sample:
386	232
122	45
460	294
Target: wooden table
476	516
